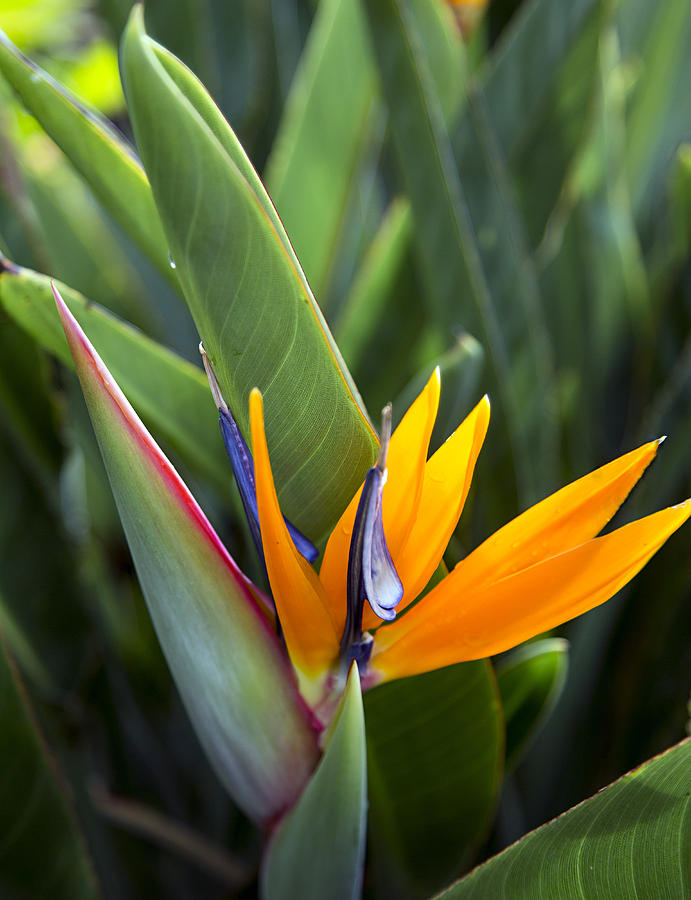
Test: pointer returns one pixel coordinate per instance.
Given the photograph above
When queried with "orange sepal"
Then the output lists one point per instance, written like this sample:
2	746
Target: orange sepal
447	478
452	625
565	519
406	470
309	631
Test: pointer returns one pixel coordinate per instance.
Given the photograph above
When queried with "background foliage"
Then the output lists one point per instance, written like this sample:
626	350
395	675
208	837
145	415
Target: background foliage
517	210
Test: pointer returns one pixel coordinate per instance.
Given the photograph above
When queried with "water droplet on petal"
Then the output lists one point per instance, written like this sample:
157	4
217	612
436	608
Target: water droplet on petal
172	262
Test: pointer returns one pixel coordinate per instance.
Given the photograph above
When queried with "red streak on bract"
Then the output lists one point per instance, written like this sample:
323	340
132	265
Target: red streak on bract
82	348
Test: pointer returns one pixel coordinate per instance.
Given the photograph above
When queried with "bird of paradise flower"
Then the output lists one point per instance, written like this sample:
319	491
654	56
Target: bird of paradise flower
541	569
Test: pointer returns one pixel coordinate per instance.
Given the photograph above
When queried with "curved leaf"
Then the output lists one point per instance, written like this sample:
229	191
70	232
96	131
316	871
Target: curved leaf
93	146
630	840
246	291
318	850
232	673
435	748
531	679
42	853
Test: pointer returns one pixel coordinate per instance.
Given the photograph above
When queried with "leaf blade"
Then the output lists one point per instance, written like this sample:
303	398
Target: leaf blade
93	146
627	841
259	323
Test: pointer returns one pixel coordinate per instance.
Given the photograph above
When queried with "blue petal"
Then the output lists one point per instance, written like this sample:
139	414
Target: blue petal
243	468
381	585
372	575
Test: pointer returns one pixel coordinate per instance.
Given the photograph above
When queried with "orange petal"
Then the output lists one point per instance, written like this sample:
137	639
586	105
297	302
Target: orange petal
563	520
406	468
406	465
446	483
309	631
450	625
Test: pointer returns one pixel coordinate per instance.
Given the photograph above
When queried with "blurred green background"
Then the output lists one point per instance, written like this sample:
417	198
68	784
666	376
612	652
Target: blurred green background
519	214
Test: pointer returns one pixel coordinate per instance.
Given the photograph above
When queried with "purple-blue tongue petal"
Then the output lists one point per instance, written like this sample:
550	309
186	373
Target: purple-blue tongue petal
242	465
380	582
372	575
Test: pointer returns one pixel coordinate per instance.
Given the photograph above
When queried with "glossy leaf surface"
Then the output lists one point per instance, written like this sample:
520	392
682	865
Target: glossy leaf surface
251	303
630	840
230	669
318	850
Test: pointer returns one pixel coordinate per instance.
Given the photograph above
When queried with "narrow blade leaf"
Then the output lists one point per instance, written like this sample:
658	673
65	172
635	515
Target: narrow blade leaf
310	171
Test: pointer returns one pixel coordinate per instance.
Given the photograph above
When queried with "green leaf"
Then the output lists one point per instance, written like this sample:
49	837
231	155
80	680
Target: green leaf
365	304
93	146
309	174
42	853
655	38
21	648
473	254
41	612
170	393
630	840
435	749
531	679
233	675
537	90
318	849
28	414
250	301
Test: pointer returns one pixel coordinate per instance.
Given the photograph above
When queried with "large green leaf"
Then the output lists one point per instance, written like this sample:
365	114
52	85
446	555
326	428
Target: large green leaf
310	171
435	750
318	849
42	853
234	676
531	679
250	301
170	393
630	840
94	147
